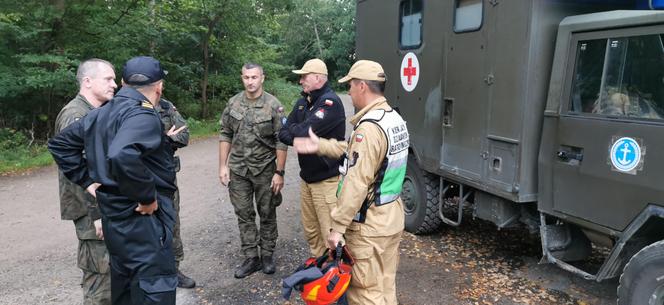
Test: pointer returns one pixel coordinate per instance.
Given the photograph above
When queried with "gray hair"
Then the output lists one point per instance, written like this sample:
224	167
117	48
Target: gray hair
251	65
89	68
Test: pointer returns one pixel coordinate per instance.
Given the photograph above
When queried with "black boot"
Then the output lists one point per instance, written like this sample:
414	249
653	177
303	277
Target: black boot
185	281
249	266
268	264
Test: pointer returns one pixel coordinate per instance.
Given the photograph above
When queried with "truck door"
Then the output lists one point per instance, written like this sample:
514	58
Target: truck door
464	122
608	158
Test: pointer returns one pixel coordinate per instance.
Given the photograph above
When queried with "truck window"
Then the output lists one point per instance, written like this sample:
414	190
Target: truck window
410	23
467	15
619	77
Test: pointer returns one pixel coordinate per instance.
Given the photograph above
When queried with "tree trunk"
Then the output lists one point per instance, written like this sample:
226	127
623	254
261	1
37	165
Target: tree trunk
320	48
204	81
152	21
205	45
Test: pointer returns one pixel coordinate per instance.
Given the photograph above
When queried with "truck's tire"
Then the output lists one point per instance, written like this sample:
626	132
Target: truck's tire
642	280
420	197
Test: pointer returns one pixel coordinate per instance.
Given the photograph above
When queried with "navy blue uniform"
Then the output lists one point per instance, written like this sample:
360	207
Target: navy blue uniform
322	111
126	152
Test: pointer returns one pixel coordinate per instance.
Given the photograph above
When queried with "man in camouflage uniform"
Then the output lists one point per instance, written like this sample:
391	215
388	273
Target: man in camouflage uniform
369	211
97	85
248	148
178	137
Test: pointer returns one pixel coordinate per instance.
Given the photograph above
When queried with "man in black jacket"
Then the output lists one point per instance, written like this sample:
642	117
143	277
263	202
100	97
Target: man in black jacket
118	153
320	109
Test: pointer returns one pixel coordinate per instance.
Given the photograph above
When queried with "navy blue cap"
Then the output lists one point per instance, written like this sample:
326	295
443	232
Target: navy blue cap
142	70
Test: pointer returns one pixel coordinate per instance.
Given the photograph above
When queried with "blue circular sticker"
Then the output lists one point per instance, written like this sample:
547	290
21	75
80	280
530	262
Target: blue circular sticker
625	154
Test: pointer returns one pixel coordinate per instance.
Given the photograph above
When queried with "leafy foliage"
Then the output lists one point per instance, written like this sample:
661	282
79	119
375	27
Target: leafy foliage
202	43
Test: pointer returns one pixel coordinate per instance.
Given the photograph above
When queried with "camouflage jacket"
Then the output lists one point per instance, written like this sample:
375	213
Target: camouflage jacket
252	128
75	202
170	117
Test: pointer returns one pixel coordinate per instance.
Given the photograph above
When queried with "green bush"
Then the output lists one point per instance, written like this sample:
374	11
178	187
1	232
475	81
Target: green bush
11	138
287	93
199	128
17	155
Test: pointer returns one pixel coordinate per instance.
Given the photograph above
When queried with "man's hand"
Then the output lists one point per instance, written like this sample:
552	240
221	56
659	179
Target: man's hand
224	175
173	131
333	239
277	183
306	145
98	230
92	188
147	209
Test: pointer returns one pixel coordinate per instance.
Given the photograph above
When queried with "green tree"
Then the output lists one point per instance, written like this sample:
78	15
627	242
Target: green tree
323	29
202	43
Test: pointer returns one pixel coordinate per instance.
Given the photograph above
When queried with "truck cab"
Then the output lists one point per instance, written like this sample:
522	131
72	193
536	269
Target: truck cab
536	113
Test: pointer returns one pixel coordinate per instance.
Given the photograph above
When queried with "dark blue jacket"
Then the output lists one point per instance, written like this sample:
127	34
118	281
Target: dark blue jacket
125	151
323	111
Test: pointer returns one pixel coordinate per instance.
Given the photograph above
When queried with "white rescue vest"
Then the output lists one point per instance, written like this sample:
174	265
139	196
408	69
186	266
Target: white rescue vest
389	178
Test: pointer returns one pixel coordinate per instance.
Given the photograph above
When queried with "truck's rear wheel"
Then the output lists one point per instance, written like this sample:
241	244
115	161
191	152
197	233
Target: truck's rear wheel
642	281
420	197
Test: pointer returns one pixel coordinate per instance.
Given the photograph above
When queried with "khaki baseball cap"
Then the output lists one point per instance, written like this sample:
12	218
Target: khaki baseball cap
365	70
313	66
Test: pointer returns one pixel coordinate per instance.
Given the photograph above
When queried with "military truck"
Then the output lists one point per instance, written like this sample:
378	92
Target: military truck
547	114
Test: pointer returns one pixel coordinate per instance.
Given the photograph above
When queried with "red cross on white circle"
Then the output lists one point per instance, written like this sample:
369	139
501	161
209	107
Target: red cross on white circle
409	72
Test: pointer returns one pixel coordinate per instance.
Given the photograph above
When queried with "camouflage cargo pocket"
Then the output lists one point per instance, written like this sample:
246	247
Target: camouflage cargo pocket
93	256
276	199
264	125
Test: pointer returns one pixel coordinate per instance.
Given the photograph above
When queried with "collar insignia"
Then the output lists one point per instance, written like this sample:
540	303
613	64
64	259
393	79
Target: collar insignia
147	104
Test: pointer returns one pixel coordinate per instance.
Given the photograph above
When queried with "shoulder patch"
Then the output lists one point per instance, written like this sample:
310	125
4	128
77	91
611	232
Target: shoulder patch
300	107
359	137
320	114
147	104
328	102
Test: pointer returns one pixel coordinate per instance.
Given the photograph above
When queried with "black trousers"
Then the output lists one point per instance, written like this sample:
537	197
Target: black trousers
140	248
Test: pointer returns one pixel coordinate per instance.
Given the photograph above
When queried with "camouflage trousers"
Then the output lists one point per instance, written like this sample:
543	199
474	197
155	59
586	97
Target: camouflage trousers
242	191
93	260
178	249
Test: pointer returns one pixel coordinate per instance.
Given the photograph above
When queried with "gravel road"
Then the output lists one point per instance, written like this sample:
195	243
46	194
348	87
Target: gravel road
473	264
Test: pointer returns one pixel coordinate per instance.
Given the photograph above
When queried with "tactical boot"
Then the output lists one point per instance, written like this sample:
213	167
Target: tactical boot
249	266
268	264
185	281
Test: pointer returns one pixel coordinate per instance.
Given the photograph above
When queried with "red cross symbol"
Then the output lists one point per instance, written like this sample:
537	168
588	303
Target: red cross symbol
410	71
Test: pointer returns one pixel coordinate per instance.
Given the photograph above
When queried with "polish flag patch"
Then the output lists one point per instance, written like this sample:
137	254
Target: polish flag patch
320	114
328	103
359	138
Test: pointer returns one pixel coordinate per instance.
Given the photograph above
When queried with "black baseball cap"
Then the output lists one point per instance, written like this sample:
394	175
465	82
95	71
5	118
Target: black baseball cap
142	70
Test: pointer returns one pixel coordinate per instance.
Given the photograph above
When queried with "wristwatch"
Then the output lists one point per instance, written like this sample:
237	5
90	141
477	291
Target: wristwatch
280	172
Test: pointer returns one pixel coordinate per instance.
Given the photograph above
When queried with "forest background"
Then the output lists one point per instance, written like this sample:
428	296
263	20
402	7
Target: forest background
202	44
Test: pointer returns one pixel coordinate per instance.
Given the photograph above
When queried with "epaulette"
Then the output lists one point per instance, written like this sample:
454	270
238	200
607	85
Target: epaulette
147	104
